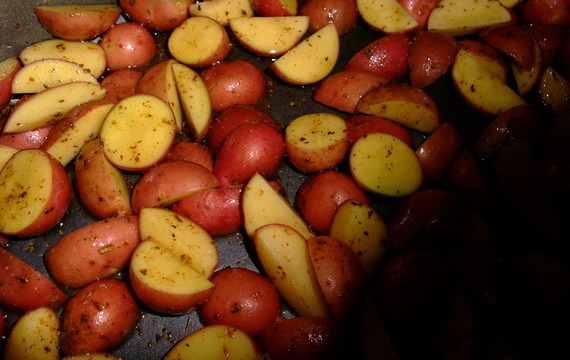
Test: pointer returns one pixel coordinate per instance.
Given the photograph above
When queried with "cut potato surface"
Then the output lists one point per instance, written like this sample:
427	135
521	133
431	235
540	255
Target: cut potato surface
386	15
384	164
55	103
311	60
222	10
47	73
85	53
138	132
269	36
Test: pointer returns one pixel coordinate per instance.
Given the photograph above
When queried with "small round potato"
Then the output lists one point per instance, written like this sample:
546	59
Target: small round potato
128	45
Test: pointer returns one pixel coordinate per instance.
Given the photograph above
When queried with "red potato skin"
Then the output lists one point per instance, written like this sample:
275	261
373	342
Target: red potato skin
163	15
387	56
216	210
419	9
512	41
342	90
128	45
234	82
242	298
320	195
230	118
121	84
193	152
6	84
556	12
430	56
360	125
340	273
156	186
269	8
98	317
437	153
23	288
549	38
302	338
342	13
247	150
101	249
31	139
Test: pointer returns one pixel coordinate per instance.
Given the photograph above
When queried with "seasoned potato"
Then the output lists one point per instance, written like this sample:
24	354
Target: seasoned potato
127	45
101	250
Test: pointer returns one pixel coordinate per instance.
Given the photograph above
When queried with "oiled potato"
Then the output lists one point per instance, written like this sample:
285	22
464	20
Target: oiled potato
98	317
101	249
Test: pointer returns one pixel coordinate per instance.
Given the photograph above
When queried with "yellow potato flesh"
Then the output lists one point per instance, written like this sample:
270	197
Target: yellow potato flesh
385	165
69	144
284	255
184	238
6	153
162	270
34	336
314	132
480	88
465	17
85	53
47	73
215	342
362	228
26	184
138	132
386	15
262	204
311	60
554	91
269	36
194	98
222	10
55	103
195	40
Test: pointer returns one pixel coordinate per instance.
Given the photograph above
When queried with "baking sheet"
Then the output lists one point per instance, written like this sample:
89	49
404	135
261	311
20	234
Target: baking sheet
156	333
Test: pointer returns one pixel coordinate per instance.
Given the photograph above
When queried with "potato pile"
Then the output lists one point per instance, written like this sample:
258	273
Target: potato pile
287	179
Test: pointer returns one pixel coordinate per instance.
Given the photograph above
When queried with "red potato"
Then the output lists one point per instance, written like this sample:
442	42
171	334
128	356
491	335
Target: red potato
555	12
234	82
413	288
342	90
430	56
302	338
342	13
549	38
101	187
387	56
340	274
98	317
320	195
121	84
77	22
23	288
31	139
275	7
33	180
437	152
230	118
101	249
168	182
419	10
216	210
512	41
128	45
193	152
249	149
242	298
360	125
163	15
8	69
429	218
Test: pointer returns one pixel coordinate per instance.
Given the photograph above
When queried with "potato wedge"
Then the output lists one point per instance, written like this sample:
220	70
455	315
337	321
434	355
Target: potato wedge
284	256
388	16
222	10
85	53
138	132
311	60
34	336
385	165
